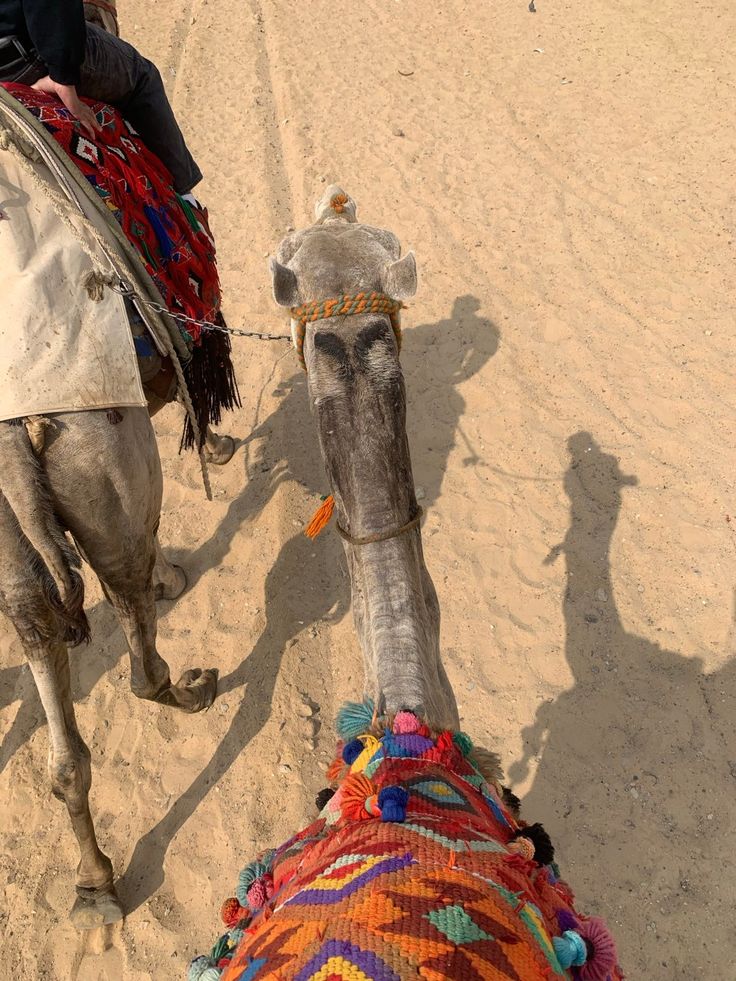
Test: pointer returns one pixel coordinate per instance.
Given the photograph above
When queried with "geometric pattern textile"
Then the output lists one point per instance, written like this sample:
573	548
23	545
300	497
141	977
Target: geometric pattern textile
418	870
172	239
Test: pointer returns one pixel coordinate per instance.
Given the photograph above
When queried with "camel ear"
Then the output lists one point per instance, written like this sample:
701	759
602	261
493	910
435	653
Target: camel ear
400	278
284	285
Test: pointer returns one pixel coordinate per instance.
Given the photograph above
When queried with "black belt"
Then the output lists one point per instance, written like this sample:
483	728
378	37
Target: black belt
14	56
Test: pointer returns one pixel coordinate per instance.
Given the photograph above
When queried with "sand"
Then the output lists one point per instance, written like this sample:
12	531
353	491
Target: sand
566	179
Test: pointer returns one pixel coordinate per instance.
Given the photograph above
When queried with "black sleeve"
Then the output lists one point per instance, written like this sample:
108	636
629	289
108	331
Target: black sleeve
58	33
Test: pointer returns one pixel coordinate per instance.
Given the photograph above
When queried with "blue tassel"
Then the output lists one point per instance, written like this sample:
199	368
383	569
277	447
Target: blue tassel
165	245
570	949
393	801
354	718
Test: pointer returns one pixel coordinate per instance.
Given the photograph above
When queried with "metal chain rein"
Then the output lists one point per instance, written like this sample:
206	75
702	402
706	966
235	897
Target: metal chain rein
127	291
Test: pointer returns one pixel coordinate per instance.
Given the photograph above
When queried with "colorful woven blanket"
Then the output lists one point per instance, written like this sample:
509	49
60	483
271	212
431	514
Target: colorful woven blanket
172	239
416	867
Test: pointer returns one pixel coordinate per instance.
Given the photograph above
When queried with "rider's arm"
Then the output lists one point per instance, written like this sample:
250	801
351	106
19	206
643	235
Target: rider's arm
58	33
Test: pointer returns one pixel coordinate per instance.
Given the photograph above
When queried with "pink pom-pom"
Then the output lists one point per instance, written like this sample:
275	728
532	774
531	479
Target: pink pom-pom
405	723
602	950
260	892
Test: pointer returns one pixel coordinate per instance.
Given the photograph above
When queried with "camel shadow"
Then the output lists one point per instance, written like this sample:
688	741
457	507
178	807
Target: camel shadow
438	357
633	781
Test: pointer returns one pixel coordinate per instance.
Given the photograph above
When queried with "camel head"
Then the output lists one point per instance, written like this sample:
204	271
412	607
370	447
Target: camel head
356	388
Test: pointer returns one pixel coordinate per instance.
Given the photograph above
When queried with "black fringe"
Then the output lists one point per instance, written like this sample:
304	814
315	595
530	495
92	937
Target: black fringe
544	850
323	798
210	377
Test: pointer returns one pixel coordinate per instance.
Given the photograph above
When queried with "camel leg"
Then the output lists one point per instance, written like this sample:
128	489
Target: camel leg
71	776
133	599
169	580
218	449
116	534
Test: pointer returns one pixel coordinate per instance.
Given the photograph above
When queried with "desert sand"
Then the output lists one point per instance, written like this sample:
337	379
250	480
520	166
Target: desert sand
566	179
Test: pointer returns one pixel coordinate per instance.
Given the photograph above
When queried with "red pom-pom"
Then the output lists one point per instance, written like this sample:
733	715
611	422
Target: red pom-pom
232	912
445	741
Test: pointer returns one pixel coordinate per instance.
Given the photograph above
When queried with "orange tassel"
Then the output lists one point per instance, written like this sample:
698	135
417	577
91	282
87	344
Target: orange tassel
321	517
355	791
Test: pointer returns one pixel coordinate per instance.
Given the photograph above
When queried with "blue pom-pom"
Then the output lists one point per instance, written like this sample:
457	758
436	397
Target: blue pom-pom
393	801
352	751
354	718
570	949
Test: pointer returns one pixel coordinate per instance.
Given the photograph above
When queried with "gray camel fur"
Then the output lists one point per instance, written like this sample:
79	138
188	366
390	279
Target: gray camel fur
356	389
102	484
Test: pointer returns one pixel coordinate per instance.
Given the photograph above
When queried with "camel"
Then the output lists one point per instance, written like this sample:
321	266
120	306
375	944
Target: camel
104	13
418	864
95	476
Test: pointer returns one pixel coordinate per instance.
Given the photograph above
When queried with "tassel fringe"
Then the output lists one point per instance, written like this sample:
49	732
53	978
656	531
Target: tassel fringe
321	518
211	382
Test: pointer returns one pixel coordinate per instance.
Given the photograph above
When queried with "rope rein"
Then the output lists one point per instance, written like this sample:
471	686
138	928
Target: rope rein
383	536
347	305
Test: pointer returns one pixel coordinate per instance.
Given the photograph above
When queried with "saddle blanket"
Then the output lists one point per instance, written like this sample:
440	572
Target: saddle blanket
59	350
172	239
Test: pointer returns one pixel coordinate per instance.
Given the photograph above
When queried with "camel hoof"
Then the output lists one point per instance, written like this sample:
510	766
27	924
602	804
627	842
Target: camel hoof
92	911
198	688
222	452
174	585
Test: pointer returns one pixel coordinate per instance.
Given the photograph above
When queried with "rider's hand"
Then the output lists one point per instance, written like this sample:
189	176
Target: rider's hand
68	95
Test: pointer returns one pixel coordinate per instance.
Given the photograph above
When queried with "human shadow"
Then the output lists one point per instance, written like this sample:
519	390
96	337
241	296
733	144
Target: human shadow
284	448
441	357
634	756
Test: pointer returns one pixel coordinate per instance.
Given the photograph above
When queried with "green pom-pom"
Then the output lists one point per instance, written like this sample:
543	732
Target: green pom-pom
221	948
463	742
354	719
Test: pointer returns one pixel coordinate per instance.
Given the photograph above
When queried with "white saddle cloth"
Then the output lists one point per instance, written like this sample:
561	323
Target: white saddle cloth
60	351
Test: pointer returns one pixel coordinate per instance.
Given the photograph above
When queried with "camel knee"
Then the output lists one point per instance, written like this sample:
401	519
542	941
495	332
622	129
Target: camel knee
71	777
